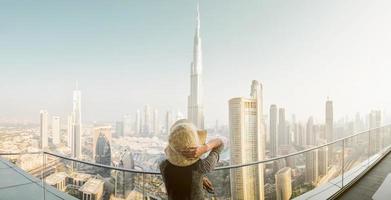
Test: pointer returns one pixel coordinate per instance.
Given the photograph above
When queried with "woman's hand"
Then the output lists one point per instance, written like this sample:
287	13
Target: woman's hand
194	152
207	185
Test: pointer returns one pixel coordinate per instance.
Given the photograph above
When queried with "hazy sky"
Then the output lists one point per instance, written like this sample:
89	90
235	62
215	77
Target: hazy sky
129	53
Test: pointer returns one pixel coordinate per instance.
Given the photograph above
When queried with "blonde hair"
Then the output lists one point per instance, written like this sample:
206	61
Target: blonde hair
183	135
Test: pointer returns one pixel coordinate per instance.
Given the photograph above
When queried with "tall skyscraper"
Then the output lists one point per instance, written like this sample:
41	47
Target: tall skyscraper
137	123
76	117
294	130
44	129
56	130
323	159
97	132
358	123
127	125
283	183
147	121
247	144
195	111
155	122
310	134
282	132
311	166
301	135
169	122
329	126
273	131
102	145
119	129
70	131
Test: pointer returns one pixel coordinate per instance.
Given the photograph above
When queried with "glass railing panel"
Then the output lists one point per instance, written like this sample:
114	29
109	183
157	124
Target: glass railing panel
330	165
81	180
220	180
32	163
316	173
299	170
355	159
387	137
129	185
375	142
153	187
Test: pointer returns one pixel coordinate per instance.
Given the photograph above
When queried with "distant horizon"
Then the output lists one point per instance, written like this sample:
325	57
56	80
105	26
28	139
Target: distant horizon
129	54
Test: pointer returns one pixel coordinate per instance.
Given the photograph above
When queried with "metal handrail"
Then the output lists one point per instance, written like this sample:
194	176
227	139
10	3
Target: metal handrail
217	168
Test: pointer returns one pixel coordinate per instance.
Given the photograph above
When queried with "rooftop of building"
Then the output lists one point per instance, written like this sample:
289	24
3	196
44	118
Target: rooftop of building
24	186
56	178
92	186
80	176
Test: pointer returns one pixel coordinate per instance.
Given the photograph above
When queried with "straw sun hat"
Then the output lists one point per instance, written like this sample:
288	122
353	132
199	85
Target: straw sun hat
183	135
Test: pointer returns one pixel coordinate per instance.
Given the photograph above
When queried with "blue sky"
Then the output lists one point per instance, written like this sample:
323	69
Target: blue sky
129	53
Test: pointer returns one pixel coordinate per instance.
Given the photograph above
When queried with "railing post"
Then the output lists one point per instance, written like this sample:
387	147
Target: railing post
43	174
143	186
343	160
369	145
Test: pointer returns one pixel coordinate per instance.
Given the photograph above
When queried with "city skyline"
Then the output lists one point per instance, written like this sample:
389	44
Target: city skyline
311	125
114	80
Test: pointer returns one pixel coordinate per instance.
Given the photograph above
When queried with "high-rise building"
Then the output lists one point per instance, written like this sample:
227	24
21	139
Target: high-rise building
70	131
56	130
323	159
97	132
102	148
247	144
137	123
169	122
77	129
358	123
310	134
329	126
273	131
295	130
119	129
311	166
44	129
146	121
195	111
301	135
375	121
155	122
124	182
127	125
283	184
283	138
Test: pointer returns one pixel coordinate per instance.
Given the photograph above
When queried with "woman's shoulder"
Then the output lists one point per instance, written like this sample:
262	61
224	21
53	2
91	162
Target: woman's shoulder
163	164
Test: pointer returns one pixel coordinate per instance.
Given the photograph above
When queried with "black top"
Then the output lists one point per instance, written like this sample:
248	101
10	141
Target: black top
185	183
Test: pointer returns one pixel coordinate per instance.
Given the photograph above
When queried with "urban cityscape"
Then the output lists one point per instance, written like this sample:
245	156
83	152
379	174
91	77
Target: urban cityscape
86	160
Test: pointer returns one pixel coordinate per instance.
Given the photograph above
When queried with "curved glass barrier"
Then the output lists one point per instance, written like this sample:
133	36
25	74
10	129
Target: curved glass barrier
315	173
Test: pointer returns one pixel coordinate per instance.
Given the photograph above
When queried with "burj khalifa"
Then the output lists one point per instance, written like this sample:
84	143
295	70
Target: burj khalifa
195	111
